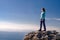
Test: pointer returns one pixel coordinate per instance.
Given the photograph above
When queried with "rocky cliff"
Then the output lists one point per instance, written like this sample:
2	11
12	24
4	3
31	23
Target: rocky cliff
42	35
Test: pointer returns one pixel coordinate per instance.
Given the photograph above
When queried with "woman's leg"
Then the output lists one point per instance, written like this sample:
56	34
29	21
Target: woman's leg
44	25
40	25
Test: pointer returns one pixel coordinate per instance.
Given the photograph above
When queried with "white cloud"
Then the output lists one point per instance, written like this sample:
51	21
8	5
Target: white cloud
58	19
7	26
53	28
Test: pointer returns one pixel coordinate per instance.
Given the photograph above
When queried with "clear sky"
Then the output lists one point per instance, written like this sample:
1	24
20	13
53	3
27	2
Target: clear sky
28	12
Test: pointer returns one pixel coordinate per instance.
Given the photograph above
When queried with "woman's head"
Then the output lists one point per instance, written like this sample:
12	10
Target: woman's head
43	9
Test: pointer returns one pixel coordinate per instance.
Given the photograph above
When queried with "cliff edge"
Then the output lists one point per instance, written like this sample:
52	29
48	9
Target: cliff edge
42	35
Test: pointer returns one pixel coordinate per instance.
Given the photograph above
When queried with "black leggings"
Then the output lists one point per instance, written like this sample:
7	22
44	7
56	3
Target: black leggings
42	22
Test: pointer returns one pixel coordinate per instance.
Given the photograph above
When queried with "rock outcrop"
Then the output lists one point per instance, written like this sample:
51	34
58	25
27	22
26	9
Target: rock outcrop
42	35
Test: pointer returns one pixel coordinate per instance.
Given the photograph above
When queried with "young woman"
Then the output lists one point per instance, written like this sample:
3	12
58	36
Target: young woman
42	18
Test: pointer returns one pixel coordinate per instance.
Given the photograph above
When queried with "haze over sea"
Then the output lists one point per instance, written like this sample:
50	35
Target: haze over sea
12	35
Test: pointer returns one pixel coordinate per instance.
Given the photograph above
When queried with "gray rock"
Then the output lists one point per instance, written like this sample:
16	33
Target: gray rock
42	35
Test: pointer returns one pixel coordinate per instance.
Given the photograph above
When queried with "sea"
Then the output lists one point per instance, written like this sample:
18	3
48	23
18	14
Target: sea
12	35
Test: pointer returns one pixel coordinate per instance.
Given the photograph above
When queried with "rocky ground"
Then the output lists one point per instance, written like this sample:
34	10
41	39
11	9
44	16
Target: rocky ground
42	35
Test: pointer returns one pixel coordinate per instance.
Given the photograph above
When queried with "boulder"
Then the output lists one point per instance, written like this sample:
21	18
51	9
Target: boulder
26	37
42	35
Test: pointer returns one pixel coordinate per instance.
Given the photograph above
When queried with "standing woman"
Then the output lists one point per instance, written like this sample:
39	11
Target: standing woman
42	18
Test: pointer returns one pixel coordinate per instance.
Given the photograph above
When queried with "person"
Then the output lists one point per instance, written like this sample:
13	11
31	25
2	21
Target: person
42	19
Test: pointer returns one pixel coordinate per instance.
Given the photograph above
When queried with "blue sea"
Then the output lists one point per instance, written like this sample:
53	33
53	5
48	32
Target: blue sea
12	35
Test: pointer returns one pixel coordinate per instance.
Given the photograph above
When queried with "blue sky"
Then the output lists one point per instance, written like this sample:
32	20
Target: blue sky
28	11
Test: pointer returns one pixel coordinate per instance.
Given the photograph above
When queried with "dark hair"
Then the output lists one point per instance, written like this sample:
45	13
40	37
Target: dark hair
43	9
